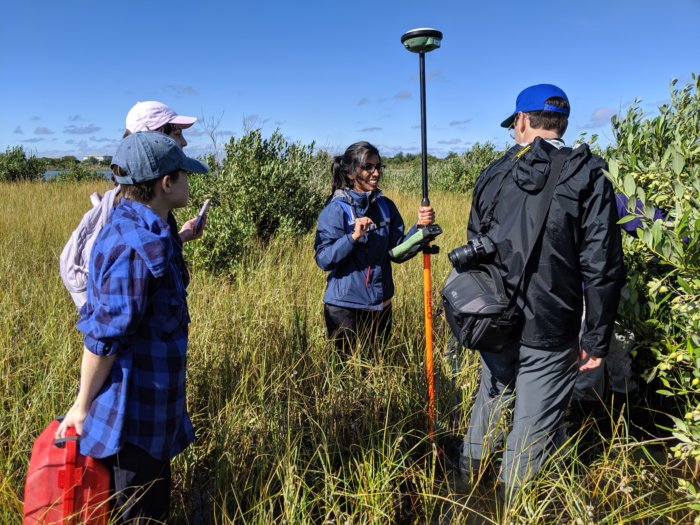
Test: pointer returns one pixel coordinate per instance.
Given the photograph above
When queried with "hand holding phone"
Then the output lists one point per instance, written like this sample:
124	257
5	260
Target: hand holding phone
200	216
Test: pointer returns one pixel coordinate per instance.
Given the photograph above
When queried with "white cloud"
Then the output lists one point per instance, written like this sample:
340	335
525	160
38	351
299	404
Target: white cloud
599	118
103	139
179	90
429	75
81	130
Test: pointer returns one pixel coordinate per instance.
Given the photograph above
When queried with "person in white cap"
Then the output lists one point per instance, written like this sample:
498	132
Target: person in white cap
152	115
75	258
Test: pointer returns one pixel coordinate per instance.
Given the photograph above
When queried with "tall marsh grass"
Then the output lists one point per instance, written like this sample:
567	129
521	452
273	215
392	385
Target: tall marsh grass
287	430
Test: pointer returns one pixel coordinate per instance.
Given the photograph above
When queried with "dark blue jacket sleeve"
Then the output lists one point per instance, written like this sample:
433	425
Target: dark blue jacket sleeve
331	244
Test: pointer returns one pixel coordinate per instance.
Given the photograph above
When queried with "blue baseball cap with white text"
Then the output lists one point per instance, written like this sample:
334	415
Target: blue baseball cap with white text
534	98
149	155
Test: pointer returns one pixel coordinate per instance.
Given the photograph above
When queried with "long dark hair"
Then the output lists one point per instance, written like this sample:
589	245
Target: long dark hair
345	165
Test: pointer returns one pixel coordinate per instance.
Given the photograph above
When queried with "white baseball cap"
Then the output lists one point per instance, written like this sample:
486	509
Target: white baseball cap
151	115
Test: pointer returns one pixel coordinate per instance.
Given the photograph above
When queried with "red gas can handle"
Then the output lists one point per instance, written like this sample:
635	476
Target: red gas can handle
69	477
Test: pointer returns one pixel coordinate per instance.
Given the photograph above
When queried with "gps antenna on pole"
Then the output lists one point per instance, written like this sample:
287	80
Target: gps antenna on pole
422	41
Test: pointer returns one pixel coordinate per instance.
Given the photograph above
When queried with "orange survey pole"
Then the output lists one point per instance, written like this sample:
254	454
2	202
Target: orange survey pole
428	317
421	41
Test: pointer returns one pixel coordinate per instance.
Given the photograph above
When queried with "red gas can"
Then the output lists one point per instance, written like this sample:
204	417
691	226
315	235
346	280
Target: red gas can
64	487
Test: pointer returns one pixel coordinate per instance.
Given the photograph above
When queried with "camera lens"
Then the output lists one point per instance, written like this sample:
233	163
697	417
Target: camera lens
462	256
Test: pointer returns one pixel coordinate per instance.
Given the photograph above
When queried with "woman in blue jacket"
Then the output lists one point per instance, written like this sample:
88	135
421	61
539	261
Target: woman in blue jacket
355	232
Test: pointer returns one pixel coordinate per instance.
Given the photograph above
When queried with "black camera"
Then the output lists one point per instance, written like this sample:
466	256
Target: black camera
476	251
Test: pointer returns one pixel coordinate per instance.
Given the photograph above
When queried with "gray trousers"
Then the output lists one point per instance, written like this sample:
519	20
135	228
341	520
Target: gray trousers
537	384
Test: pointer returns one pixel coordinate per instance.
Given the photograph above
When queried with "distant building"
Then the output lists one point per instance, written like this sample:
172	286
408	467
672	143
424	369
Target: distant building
98	158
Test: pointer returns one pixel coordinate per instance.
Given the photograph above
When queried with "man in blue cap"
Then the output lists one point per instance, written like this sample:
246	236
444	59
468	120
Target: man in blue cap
130	410
580	243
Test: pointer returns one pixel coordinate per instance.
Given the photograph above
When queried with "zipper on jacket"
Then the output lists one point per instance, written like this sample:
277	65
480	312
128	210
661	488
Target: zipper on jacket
369	270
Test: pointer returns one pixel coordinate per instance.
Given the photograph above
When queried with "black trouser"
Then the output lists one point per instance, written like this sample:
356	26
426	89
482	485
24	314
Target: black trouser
140	486
348	325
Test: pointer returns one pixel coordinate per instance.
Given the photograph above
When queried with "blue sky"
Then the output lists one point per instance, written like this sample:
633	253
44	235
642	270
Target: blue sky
327	71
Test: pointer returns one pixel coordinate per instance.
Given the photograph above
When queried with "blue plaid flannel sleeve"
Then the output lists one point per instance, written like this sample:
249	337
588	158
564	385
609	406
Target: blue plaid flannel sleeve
117	295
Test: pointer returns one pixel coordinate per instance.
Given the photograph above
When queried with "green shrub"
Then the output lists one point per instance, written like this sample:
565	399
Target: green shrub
459	172
60	163
263	187
456	173
657	161
78	173
14	165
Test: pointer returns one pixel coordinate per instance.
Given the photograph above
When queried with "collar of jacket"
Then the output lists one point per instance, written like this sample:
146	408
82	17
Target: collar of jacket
532	169
359	200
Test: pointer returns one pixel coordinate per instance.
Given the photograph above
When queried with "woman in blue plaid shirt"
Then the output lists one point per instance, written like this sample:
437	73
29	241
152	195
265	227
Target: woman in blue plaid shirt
130	410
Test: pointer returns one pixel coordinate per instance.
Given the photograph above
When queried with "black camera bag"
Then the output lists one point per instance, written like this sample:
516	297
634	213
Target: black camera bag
478	310
477	307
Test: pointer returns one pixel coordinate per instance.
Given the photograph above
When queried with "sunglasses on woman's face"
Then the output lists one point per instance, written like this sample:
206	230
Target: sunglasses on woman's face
369	167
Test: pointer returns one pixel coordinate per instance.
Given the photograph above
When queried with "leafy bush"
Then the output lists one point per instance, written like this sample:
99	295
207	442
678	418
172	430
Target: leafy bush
454	173
657	161
15	166
402	158
264	187
459	172
77	173
60	163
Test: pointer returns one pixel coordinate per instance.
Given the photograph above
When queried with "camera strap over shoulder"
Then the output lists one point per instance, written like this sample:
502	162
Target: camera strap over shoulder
486	221
555	170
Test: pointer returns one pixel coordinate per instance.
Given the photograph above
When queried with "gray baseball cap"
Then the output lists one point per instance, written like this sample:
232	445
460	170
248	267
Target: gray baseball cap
149	155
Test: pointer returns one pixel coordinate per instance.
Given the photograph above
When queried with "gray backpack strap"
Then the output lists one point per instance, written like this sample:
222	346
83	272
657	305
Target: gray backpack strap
384	210
348	214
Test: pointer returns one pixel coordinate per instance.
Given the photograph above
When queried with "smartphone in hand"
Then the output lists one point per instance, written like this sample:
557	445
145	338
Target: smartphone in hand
200	216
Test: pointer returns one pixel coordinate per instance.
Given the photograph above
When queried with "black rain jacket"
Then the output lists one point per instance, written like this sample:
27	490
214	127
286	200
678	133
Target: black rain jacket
580	254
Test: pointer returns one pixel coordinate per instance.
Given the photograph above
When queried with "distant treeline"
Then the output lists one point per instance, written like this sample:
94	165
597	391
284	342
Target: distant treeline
457	171
16	165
